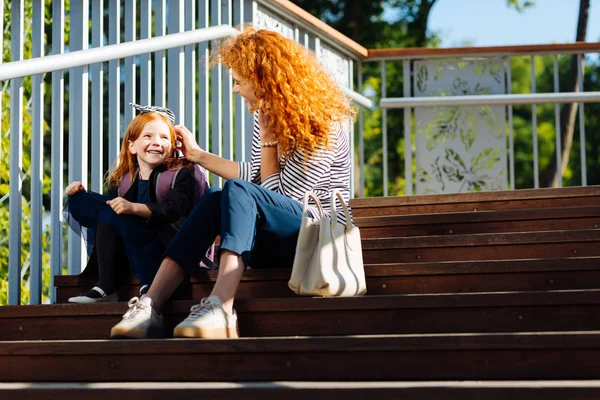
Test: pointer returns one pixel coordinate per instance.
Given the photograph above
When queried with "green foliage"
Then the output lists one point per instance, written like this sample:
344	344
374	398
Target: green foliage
5	170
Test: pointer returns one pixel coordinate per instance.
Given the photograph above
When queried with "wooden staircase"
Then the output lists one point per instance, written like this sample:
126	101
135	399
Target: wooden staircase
481	295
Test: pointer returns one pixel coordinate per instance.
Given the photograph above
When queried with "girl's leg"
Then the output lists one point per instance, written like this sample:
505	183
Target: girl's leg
112	260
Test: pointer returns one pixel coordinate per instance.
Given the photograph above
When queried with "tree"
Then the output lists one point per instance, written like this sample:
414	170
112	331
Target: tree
569	110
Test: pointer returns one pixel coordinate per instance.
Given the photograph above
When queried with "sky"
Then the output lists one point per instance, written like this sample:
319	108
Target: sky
492	23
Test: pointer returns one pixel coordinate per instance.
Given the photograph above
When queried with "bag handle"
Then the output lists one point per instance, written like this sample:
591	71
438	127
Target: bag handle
336	193
311	195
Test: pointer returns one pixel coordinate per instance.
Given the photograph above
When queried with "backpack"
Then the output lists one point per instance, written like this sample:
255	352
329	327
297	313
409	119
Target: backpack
165	181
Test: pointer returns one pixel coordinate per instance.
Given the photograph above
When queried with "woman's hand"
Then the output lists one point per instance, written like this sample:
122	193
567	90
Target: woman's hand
187	143
121	206
74	187
265	132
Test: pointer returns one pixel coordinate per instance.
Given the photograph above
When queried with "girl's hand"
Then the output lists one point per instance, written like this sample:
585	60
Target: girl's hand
187	143
74	187
121	206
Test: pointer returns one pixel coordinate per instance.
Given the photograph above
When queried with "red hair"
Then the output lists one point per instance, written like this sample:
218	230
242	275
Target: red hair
127	162
303	100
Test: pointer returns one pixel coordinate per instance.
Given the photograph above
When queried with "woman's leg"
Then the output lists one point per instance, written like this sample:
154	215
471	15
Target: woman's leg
249	214
231	269
166	281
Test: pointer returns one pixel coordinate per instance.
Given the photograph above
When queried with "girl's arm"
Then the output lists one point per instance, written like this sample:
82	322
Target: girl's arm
224	168
74	187
122	206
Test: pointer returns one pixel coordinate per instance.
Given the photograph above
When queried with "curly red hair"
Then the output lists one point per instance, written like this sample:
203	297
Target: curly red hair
127	162
300	100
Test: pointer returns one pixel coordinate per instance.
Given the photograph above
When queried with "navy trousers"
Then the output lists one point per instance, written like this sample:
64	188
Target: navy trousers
142	245
256	223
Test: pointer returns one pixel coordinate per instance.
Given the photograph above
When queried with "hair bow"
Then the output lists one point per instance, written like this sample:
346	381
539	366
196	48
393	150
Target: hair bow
144	109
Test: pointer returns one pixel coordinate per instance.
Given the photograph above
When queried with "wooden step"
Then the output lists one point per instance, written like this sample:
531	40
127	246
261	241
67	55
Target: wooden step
441	313
491	246
447	390
397	278
461	202
554	219
504	356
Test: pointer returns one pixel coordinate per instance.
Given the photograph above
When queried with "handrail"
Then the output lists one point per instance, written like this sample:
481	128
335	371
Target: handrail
40	65
311	23
359	99
458	52
495	99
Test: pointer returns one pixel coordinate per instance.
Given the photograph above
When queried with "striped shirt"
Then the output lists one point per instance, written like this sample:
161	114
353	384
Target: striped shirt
323	171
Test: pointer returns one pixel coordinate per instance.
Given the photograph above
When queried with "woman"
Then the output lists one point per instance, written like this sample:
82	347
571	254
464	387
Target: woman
298	145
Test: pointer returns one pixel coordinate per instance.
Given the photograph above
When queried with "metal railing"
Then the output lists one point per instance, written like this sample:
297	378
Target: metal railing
409	102
103	78
169	68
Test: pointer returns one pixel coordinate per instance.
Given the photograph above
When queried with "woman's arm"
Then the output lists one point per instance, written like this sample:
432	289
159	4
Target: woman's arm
269	163
218	165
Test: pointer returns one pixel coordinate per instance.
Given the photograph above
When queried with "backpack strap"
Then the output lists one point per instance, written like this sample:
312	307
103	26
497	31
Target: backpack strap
125	183
165	181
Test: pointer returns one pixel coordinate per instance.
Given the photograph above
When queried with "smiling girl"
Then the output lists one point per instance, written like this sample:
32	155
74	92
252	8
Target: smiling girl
134	228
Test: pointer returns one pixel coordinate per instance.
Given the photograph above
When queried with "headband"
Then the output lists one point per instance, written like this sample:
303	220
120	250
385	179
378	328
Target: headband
144	109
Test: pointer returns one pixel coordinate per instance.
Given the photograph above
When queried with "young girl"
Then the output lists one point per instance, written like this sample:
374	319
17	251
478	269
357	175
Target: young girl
135	225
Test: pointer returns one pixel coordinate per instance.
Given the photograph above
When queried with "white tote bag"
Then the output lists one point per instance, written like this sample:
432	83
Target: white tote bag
328	260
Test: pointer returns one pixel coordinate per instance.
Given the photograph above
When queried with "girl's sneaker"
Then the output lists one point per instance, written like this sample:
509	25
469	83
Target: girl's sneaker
94	296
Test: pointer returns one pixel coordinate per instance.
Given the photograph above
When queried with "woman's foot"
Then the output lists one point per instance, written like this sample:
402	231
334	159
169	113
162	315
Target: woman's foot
208	320
94	296
141	321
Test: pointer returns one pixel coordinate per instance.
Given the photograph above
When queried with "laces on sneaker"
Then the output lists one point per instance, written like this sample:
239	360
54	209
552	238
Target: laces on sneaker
205	307
135	306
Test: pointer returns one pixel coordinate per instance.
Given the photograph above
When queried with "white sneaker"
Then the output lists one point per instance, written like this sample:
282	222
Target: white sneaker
140	321
95	295
208	320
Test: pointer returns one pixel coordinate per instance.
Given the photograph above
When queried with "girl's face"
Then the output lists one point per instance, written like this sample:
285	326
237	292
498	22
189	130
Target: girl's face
153	146
245	88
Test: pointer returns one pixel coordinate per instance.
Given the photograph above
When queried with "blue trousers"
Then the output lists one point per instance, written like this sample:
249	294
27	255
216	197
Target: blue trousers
256	223
142	245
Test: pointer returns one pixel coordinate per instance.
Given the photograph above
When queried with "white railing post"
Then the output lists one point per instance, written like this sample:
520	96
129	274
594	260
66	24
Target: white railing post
384	132
216	11
130	69
203	134
190	68
408	181
57	132
97	99
557	130
16	159
78	122
175	62
37	159
114	83
145	59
